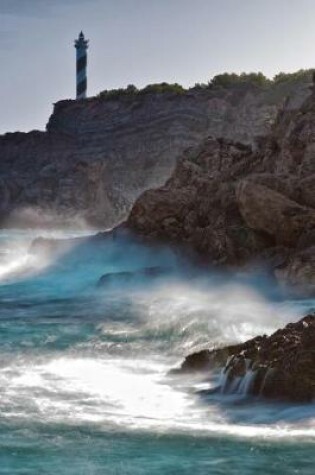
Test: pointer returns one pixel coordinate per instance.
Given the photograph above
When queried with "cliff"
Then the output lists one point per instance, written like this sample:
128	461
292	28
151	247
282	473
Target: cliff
234	205
97	156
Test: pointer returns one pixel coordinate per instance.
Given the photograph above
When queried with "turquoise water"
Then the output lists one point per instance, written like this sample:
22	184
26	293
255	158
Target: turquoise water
84	384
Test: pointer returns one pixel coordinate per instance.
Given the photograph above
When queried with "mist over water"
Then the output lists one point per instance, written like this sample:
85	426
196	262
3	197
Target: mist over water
84	383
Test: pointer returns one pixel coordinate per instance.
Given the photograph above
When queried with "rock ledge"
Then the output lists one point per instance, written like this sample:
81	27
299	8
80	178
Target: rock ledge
280	366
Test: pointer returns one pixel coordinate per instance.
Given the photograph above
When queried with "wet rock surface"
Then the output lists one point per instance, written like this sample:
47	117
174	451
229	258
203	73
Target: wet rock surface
146	274
280	366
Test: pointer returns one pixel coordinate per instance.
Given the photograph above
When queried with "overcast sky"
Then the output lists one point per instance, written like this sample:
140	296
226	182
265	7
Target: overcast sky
140	42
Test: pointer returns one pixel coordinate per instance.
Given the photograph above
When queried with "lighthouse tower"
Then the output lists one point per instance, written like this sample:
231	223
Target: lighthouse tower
81	45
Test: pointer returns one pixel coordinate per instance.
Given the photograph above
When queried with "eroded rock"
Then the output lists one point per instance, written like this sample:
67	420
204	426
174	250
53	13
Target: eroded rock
97	156
273	213
281	366
236	206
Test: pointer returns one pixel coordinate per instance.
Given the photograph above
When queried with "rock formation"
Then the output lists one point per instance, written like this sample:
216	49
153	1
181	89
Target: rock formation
281	366
234	204
97	156
144	275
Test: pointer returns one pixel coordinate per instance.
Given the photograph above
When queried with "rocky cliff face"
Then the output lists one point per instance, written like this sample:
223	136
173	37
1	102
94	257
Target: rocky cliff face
97	156
234	205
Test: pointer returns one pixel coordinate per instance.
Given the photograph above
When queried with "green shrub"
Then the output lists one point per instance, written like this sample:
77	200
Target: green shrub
132	91
225	80
199	86
232	79
162	88
293	77
129	91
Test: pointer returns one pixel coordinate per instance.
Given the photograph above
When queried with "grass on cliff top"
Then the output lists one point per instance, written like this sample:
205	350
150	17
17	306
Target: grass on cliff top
220	81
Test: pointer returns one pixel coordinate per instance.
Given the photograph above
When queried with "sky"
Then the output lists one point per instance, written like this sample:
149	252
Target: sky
141	42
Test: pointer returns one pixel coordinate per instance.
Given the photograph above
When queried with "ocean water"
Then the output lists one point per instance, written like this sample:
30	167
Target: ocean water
84	371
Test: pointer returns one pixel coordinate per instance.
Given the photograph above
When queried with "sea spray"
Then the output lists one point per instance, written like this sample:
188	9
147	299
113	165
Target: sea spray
75	354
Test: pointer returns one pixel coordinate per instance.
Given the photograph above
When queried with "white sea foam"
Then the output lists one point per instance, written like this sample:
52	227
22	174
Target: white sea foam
16	260
135	395
117	375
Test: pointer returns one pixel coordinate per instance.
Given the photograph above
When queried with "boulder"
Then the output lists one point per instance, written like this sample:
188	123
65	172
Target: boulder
273	213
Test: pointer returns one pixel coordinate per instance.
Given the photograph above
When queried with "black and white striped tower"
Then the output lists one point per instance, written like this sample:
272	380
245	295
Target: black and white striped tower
81	45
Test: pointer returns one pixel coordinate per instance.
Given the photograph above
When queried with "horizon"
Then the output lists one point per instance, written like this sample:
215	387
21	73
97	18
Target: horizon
141	42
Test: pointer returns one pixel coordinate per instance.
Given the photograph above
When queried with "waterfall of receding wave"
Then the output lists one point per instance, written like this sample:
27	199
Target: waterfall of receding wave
84	368
239	385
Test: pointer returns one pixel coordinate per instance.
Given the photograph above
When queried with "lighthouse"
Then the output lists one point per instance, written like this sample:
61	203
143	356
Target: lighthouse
81	46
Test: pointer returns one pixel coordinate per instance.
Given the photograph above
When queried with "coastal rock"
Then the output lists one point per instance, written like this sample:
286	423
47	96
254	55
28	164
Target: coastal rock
281	366
239	206
97	156
197	205
147	274
273	213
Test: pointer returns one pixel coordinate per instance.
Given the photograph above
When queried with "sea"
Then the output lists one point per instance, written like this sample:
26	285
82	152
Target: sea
85	380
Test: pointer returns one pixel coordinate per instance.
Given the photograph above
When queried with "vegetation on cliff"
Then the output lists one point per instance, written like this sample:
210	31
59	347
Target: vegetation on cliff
132	91
224	81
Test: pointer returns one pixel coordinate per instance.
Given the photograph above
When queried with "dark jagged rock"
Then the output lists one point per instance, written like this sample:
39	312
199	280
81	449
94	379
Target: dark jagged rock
235	205
281	366
128	277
